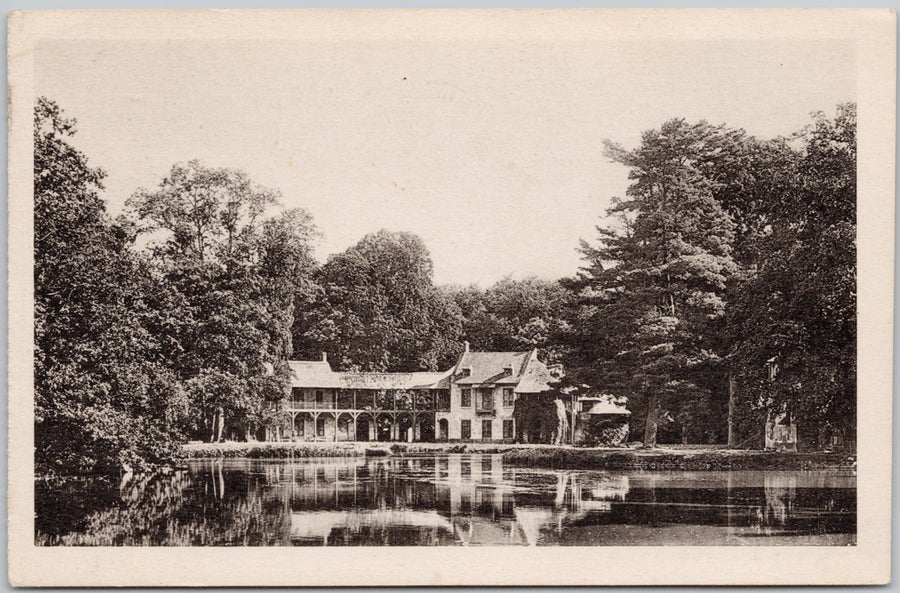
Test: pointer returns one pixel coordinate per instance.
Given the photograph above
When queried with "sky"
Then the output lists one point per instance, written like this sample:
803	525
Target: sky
491	150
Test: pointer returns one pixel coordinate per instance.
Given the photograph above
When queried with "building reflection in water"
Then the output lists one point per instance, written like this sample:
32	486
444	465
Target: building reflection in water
475	500
459	499
448	500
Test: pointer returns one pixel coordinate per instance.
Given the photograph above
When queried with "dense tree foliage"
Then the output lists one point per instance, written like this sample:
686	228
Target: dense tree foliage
377	309
105	395
796	308
671	261
514	315
729	254
237	276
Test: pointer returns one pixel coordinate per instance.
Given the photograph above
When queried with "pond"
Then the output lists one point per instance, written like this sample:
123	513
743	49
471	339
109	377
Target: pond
447	500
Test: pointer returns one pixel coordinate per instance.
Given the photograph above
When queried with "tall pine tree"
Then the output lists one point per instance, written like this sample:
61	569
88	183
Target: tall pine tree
653	289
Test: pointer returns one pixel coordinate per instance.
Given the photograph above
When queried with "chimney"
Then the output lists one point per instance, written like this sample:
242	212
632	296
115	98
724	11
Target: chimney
466	343
324	357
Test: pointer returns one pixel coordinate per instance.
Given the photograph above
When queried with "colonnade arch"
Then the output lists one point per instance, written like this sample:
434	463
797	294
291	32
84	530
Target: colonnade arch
342	426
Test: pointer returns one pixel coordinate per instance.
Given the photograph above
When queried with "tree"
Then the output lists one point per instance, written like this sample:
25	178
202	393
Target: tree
514	315
377	309
798	306
208	212
237	274
105	398
653	290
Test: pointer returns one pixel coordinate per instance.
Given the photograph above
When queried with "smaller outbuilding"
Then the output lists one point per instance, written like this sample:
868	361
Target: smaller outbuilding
601	420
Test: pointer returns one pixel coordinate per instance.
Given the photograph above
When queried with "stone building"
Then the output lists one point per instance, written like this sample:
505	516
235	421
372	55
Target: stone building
473	401
484	387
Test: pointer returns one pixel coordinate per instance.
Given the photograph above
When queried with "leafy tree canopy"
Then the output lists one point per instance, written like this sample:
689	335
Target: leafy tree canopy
105	397
378	309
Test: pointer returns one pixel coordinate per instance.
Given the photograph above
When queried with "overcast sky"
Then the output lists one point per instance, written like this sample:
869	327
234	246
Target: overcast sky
491	151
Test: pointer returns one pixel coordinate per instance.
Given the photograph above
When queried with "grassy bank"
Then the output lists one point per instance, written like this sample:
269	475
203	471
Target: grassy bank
274	450
676	459
326	449
547	456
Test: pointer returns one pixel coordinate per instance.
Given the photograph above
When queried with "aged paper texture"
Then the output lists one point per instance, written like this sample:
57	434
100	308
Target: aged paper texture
481	132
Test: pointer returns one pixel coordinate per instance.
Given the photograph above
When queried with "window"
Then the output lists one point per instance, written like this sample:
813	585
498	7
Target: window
320	426
320	397
465	428
466	398
443	401
487	399
486	429
509	399
299	425
507	429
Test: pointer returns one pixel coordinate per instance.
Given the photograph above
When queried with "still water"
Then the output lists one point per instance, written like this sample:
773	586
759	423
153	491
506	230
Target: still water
448	500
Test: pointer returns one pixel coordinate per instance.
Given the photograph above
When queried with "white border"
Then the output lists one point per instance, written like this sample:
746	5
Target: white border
866	563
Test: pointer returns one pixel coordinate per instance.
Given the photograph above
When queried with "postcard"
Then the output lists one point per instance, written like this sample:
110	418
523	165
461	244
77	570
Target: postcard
450	297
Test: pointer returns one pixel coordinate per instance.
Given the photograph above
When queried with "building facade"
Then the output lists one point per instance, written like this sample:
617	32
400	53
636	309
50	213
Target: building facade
484	387
472	401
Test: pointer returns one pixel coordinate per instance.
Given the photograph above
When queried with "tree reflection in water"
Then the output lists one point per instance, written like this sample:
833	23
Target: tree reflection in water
447	500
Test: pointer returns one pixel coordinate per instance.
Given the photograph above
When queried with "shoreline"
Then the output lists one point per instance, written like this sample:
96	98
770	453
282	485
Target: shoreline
679	458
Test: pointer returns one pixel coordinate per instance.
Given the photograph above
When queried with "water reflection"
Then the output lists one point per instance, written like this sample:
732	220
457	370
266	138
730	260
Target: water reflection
460	500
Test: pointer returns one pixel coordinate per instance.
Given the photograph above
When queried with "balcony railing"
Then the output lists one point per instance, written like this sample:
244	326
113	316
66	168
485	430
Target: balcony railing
307	405
303	405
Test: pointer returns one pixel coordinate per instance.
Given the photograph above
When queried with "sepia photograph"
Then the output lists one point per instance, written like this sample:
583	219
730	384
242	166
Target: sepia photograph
408	280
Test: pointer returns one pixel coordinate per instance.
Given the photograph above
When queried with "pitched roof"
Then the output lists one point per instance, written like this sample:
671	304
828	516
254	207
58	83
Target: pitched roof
431	380
487	367
604	404
313	373
536	377
319	374
529	375
364	380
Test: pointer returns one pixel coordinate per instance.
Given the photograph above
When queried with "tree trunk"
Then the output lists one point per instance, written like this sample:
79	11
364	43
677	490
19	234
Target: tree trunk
732	395
211	427
218	425
652	421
